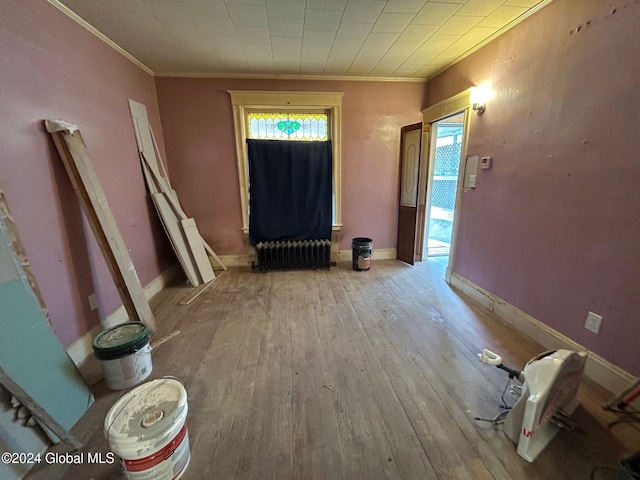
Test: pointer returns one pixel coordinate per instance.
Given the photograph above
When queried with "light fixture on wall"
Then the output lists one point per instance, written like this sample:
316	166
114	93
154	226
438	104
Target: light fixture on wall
479	97
479	107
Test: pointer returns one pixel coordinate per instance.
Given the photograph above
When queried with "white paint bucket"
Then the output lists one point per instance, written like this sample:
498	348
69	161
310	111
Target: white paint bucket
125	354
147	429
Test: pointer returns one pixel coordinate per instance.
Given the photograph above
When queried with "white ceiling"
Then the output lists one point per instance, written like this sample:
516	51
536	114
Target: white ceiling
333	38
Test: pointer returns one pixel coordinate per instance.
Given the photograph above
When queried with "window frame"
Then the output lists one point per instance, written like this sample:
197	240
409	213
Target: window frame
245	101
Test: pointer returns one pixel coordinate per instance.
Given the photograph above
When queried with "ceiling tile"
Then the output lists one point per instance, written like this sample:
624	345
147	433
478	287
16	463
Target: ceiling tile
216	24
403	6
286	44
379	41
344	50
286	27
480	8
285	8
399	50
125	6
318	38
363	11
325	20
392	22
391	61
436	44
326	4
248	15
244	2
223	41
406	71
417	34
459	25
167	12
456	49
477	35
353	31
290	58
502	16
253	34
522	3
136	22
435	13
205	7
257	50
314	60
336	70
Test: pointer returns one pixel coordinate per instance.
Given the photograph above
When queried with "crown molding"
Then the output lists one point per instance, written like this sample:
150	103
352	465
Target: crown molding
250	76
80	21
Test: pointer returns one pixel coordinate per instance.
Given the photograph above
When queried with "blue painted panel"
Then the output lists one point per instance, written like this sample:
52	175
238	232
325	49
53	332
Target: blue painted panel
30	353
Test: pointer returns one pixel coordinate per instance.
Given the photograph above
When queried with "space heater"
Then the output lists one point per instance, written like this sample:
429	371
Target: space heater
545	400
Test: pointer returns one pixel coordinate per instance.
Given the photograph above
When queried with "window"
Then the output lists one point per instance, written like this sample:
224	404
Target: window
286	116
287	126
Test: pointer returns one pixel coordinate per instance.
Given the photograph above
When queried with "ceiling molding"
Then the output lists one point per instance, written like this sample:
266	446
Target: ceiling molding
293	77
491	38
69	13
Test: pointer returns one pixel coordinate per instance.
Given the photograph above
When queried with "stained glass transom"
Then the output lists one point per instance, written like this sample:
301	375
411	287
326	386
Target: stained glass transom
288	126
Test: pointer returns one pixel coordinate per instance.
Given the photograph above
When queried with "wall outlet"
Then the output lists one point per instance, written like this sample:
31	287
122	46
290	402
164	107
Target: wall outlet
593	322
93	302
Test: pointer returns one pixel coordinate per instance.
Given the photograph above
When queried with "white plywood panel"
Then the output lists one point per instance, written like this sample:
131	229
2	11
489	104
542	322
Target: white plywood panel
176	236
200	258
142	132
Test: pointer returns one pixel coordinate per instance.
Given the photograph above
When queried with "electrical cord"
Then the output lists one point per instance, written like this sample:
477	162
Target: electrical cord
500	417
626	415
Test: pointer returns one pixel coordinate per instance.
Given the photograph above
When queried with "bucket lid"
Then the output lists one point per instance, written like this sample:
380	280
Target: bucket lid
121	340
146	417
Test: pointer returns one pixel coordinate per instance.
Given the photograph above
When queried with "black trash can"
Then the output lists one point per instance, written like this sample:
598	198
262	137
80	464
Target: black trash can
361	248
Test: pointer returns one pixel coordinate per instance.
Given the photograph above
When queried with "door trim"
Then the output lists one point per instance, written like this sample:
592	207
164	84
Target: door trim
459	103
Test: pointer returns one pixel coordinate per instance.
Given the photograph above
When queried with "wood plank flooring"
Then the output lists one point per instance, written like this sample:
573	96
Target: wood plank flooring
348	375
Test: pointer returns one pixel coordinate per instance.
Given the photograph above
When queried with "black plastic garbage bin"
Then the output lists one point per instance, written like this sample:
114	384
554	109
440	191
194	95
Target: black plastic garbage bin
361	248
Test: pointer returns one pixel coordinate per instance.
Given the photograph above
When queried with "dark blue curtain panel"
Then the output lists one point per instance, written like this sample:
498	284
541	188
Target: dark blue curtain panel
290	190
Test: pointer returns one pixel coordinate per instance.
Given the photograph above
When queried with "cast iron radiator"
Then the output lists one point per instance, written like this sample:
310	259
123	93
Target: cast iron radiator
293	255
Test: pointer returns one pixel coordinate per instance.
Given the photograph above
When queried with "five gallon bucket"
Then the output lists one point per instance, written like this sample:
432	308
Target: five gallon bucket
361	248
125	354
147	429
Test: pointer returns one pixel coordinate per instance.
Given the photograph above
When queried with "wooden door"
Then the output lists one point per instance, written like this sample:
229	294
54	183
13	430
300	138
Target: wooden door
408	196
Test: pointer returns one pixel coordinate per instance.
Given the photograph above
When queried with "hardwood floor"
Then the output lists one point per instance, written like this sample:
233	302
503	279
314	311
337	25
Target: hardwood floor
348	375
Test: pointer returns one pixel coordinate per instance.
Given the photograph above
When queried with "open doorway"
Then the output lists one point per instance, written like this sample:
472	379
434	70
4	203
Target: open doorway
447	138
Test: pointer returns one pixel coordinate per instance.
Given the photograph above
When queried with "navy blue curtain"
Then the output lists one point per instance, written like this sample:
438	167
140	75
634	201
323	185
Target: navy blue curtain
290	190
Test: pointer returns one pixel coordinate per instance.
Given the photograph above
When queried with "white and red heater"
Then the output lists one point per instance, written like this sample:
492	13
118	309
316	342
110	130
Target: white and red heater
546	400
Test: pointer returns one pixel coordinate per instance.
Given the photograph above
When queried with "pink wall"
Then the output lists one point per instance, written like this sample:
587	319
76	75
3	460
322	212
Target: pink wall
197	118
50	67
553	227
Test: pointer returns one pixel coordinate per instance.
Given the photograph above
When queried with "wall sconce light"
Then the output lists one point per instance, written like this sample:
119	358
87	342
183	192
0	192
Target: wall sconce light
479	97
479	107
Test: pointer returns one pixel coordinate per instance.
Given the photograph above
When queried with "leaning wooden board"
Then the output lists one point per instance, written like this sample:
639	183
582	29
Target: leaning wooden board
158	181
93	201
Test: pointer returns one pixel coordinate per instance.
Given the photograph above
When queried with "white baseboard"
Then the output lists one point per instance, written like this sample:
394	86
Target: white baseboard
81	351
601	371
